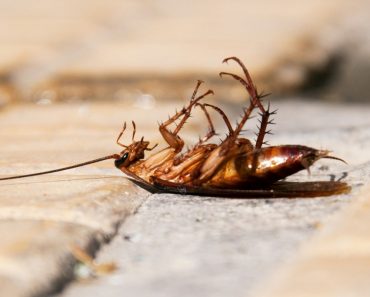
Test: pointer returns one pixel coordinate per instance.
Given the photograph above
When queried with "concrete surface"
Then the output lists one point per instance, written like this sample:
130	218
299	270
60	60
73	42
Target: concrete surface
192	246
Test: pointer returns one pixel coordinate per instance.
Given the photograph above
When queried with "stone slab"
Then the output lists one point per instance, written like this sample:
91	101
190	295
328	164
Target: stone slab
35	255
192	246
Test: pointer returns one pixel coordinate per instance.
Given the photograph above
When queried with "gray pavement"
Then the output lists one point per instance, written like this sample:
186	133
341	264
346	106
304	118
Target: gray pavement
194	246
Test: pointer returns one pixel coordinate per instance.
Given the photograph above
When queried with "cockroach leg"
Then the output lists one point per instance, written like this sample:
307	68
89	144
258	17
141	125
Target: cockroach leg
183	110
133	131
255	101
211	132
248	83
120	135
123	130
151	148
171	137
248	111
232	144
211	129
264	122
224	117
187	113
199	82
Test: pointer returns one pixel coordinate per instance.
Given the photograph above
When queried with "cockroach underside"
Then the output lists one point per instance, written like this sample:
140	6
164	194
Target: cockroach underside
235	167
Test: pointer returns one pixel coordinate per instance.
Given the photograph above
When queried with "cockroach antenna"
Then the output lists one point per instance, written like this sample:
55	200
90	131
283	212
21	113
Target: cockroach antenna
114	156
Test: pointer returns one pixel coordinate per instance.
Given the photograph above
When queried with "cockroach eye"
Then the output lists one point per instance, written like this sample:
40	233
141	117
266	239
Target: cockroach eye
121	160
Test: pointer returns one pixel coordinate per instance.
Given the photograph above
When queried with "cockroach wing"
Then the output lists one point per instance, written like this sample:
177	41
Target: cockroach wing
277	190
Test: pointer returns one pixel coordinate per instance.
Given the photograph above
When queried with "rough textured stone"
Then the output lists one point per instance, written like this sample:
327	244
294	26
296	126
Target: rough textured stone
97	202
35	255
192	246
335	262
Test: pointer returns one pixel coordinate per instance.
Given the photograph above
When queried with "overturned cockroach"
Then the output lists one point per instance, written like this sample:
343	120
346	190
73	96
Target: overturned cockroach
233	168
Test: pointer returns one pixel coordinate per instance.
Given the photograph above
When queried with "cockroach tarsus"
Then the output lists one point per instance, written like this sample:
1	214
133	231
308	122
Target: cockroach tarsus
235	167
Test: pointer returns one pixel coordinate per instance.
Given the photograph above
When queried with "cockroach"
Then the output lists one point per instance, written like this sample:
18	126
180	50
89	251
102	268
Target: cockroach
235	167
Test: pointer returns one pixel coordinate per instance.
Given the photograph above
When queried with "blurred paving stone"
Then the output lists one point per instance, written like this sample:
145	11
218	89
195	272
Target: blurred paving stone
30	31
166	44
35	254
61	134
176	38
97	202
39	36
88	50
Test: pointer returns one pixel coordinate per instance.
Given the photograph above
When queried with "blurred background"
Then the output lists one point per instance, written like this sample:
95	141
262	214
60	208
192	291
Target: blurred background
119	50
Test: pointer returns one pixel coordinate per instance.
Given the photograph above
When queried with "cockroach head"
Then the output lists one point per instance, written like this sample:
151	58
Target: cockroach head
132	153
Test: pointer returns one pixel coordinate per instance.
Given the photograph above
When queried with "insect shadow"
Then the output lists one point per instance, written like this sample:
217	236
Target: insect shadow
333	177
